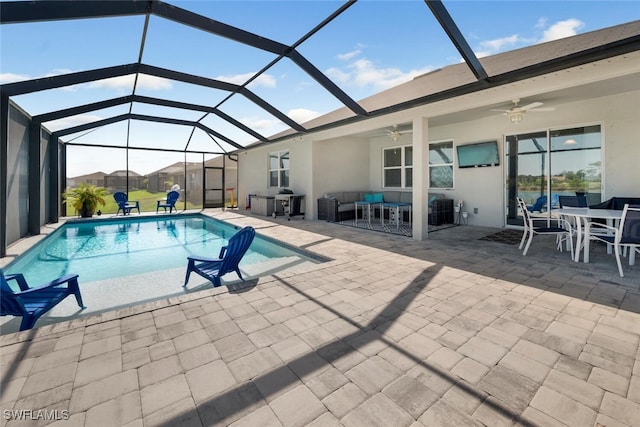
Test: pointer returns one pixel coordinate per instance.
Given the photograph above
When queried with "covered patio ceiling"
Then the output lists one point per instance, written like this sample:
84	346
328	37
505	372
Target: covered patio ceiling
225	108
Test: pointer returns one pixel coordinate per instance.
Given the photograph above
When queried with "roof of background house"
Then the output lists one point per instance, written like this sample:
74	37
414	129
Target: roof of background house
92	175
123	172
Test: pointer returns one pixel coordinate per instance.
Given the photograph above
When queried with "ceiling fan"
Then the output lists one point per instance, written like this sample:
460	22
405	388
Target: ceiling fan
395	133
517	112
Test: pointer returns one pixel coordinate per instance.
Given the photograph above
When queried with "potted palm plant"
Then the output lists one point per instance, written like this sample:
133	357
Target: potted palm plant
85	198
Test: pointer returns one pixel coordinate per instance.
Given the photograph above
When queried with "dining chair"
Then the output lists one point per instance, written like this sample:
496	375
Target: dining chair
578	201
573	201
562	231
625	236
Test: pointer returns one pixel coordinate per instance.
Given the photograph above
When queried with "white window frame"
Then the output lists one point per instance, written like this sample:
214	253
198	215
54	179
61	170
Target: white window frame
402	167
451	164
279	154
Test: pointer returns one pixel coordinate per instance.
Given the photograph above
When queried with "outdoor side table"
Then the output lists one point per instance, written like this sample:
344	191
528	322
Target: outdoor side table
366	213
395	210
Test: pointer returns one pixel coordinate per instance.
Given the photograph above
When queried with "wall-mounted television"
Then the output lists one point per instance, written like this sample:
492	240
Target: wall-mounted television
478	155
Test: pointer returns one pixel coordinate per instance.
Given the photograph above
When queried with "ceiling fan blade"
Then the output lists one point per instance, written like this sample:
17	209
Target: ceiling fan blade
530	106
501	111
542	109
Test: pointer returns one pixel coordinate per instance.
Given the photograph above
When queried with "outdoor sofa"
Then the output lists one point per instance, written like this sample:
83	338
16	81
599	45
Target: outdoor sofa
340	206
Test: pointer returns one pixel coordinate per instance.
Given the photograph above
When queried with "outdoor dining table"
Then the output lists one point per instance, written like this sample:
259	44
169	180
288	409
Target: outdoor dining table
586	215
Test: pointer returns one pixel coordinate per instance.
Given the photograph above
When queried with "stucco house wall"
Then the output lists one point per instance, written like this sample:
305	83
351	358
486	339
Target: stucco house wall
352	163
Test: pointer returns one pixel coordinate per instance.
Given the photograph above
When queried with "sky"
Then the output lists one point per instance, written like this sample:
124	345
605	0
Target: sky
372	46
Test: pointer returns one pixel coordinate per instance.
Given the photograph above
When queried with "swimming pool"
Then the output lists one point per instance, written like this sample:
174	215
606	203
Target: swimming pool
98	250
121	262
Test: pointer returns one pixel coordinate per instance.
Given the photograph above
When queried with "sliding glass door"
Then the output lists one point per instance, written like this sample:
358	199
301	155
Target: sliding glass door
543	165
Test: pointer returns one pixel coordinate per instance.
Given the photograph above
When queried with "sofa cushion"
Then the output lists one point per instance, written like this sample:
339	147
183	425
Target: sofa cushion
377	197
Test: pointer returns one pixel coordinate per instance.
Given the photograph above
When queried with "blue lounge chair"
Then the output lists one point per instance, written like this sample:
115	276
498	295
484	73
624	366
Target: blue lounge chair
124	204
539	204
31	303
230	256
170	202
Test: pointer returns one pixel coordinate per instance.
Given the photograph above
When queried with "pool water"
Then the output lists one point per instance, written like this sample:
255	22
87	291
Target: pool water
100	250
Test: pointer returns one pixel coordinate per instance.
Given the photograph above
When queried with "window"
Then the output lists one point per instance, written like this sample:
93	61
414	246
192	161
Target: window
279	169
398	167
441	164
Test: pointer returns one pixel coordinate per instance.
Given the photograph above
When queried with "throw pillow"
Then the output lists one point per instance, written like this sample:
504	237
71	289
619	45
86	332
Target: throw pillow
378	197
368	197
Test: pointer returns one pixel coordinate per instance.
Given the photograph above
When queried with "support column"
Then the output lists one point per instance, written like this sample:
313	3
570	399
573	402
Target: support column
54	177
62	172
35	147
4	131
420	178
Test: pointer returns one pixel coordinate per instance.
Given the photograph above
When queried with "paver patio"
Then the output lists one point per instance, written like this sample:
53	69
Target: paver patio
389	332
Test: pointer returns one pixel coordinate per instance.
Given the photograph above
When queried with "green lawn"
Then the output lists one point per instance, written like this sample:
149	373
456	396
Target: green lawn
147	202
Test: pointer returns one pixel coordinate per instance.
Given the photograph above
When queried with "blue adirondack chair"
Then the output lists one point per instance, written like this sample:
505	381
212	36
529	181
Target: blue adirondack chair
31	303
170	202
124	204
230	256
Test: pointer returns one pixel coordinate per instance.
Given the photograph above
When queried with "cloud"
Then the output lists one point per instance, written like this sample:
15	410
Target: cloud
338	75
562	29
364	72
349	55
302	115
12	78
542	22
259	124
264	80
67	122
145	81
489	47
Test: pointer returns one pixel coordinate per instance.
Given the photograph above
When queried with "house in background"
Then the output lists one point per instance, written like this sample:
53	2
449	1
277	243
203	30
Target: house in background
118	181
95	178
221	173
